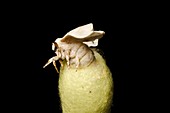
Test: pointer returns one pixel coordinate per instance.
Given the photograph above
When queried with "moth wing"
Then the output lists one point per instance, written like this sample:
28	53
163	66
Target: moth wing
85	34
79	32
91	40
82	31
93	36
92	43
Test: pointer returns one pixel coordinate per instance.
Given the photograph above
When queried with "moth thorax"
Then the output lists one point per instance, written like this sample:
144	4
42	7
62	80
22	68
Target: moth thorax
76	54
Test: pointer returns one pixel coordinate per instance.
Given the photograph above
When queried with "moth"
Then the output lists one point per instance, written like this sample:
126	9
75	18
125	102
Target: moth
74	47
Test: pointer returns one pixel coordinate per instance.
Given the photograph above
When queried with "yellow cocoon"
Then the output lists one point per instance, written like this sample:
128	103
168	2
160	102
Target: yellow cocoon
88	89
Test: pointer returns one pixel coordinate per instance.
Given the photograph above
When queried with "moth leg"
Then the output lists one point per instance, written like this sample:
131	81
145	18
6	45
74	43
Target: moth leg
61	62
53	59
68	57
77	62
68	60
54	64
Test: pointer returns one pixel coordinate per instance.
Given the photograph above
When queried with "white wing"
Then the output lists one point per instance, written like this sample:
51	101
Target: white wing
92	43
82	31
83	34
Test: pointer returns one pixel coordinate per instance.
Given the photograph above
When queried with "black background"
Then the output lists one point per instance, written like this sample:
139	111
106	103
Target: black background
32	27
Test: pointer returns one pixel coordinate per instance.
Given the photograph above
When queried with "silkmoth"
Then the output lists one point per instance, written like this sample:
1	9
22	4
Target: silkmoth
74	47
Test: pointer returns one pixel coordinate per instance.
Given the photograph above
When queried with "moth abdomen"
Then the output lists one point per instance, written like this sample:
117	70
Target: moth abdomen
83	57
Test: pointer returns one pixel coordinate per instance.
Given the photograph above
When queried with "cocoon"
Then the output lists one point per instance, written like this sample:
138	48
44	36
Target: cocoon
88	89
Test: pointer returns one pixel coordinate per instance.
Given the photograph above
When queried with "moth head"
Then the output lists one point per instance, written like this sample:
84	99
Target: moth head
56	44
